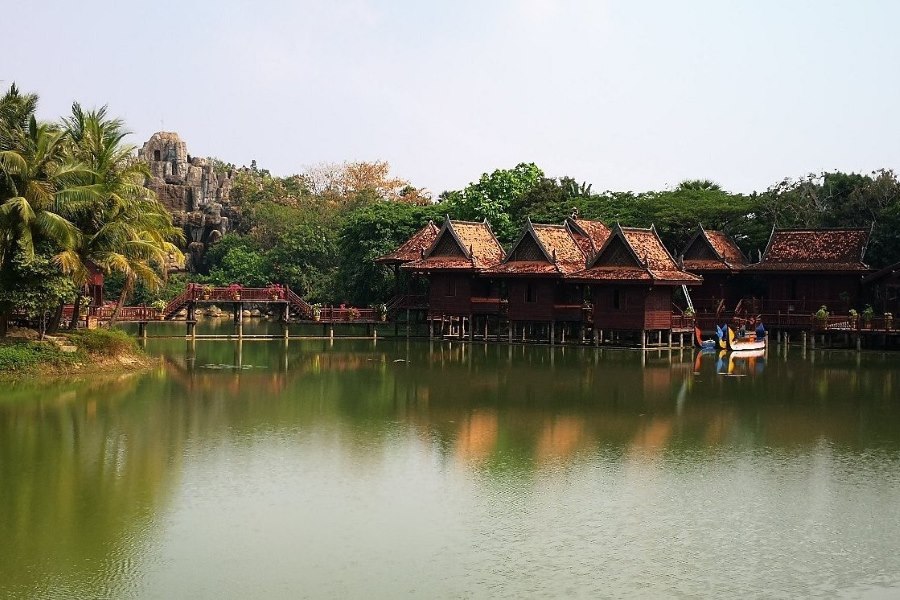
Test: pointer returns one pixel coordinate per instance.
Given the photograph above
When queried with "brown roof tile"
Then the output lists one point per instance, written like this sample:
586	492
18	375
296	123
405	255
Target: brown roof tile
815	250
478	245
650	261
727	248
561	252
590	235
716	252
412	248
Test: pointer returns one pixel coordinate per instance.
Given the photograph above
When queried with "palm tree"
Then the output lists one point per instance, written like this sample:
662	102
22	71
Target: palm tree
700	184
36	180
126	229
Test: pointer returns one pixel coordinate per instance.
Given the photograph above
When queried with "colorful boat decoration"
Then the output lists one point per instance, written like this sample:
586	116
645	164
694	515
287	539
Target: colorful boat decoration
749	342
704	344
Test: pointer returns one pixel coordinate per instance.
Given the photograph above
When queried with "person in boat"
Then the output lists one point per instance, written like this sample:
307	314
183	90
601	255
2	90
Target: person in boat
760	331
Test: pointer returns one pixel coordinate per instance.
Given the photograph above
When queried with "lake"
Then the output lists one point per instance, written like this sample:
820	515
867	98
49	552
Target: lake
361	469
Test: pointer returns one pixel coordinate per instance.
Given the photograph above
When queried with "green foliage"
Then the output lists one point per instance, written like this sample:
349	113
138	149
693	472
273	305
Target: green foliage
369	232
35	286
19	357
493	197
104	342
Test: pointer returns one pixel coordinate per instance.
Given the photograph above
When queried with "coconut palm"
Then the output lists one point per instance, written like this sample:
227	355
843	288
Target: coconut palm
125	229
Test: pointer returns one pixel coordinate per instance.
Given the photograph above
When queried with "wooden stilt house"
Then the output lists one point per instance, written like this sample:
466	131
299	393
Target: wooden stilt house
452	264
632	278
803	269
407	294
716	257
533	276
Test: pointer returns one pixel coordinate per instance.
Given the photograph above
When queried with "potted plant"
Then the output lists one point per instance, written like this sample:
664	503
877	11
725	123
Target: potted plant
888	321
352	313
159	306
867	314
381	311
689	312
234	290
316	311
854	318
822	316
206	292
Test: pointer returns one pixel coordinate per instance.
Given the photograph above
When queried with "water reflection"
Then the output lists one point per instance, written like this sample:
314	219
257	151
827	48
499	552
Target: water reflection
107	484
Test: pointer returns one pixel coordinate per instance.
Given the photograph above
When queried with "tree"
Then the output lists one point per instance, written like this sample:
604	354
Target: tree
492	197
124	228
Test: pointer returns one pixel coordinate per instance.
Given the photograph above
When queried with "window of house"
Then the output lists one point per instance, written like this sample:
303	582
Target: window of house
451	287
530	293
156	155
617	299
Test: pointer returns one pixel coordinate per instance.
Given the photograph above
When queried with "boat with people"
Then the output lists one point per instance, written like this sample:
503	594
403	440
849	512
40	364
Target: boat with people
749	341
727	339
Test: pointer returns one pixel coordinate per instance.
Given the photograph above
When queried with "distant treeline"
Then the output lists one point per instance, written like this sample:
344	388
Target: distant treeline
323	241
71	198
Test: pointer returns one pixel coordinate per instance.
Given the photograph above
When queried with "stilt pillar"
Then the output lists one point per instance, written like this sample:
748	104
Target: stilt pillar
552	333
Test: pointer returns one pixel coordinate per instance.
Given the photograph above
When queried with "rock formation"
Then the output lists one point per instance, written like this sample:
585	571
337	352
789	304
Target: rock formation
193	191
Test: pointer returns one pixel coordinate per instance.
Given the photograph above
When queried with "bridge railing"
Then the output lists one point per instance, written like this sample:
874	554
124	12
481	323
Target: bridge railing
330	314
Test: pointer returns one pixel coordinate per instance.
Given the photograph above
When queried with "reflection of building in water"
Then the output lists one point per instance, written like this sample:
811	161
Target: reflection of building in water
476	438
560	438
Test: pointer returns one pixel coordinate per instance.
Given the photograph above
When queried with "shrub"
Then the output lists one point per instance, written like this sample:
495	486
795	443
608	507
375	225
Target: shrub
23	356
108	342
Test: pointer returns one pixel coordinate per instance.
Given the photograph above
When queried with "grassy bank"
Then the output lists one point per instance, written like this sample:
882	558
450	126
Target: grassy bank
70	352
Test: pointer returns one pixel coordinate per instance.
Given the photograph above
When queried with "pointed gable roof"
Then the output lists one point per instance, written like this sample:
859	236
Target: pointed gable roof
712	251
543	250
635	254
460	245
590	235
832	250
412	248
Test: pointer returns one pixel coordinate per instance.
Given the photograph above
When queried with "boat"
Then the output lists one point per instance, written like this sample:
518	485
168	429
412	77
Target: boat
704	344
749	342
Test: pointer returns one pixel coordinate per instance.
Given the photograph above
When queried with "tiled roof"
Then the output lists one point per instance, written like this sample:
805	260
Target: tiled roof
560	252
712	251
815	250
590	235
412	248
726	247
646	260
478	248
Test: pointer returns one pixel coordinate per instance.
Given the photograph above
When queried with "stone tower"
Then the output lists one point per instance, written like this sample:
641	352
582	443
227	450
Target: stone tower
197	196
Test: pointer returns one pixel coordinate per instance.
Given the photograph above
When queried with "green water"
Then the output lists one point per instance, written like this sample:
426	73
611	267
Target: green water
356	469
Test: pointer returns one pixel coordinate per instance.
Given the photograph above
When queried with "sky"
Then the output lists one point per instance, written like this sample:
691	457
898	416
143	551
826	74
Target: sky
626	95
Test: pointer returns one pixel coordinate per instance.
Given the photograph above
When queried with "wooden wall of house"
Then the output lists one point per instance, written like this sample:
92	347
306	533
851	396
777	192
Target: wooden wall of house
632	307
530	299
450	293
811	291
717	286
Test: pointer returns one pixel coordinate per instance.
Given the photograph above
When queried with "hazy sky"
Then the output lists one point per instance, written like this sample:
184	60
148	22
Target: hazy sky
623	94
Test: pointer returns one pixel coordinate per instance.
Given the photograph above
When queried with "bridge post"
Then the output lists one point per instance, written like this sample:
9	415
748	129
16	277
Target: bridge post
238	319
191	320
407	322
142	330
